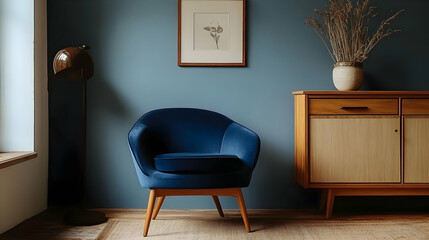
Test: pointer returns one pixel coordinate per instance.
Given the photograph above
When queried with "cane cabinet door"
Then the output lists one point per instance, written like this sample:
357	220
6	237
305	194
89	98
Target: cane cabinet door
355	149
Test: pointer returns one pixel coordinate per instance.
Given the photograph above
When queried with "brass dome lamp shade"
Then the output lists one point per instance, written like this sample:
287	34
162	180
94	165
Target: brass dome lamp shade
77	59
75	62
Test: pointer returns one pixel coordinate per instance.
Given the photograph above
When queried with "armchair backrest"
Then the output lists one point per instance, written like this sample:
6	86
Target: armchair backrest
186	129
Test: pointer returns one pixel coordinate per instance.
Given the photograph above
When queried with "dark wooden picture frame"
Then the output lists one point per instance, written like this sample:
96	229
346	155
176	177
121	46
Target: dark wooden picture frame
202	45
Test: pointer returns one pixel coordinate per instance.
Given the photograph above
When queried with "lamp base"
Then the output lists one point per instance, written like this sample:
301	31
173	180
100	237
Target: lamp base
81	217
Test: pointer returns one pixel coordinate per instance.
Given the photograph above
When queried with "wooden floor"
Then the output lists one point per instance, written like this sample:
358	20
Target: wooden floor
206	224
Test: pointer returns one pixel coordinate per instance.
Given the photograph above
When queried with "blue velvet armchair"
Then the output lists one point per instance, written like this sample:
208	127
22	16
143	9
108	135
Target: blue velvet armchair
185	151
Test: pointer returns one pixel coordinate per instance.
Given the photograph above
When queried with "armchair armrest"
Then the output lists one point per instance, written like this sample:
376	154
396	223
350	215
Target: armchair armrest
242	142
137	138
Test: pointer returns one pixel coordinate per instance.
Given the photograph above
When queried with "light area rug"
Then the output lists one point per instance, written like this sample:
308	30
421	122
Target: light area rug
208	226
127	224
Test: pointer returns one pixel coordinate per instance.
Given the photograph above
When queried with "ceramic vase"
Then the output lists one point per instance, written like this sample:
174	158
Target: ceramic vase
347	76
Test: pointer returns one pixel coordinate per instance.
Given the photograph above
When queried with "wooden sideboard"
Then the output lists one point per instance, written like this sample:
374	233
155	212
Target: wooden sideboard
362	143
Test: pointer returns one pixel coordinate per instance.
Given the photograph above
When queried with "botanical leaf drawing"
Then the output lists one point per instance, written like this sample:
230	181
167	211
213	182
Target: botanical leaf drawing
215	33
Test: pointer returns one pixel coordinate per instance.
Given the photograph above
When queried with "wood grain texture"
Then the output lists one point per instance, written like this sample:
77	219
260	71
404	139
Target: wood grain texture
336	106
416	149
349	149
8	159
415	106
301	141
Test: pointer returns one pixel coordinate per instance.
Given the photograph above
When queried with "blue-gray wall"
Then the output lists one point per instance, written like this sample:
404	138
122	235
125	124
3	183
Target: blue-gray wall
134	47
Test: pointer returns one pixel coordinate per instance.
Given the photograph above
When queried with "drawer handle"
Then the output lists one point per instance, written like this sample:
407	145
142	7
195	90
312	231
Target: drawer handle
353	108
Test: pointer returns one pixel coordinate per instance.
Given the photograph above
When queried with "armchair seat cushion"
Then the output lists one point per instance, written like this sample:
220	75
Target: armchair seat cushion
197	162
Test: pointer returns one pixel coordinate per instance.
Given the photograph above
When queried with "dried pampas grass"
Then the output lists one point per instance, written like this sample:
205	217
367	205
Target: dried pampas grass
345	25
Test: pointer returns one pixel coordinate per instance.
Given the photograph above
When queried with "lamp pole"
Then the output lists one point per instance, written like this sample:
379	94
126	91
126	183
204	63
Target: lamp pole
79	63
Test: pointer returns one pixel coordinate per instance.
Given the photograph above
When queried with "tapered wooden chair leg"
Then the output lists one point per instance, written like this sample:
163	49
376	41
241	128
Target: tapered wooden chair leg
158	206
243	210
149	210
330	203
218	206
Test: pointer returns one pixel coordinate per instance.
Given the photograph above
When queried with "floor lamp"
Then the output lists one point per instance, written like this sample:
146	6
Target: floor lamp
77	62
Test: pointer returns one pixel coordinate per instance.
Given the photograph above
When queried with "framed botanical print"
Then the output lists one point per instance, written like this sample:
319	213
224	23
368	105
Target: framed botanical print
211	33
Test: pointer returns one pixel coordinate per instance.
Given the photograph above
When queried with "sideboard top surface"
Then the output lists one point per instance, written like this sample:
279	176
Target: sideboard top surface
358	93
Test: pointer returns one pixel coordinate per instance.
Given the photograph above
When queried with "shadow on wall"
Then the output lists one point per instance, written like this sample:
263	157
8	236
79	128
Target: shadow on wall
394	78
66	133
104	176
115	107
274	181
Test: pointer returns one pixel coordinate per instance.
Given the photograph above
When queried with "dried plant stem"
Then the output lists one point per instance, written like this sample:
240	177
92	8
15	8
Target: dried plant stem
345	26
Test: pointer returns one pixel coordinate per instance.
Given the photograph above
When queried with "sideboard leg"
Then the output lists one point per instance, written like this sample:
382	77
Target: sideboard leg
329	202
323	199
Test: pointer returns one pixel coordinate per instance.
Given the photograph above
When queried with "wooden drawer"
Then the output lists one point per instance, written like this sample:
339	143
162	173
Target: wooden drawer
415	106
353	106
